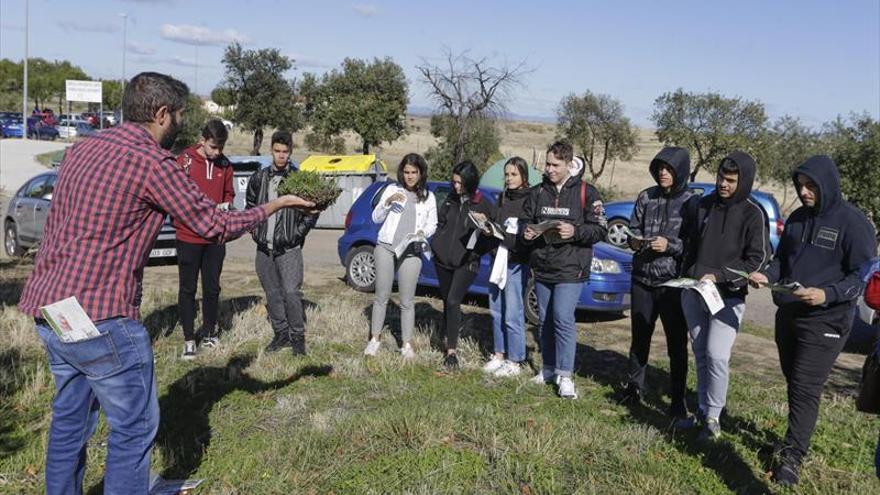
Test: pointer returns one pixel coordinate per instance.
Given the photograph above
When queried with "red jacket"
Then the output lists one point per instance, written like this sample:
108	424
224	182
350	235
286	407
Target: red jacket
214	178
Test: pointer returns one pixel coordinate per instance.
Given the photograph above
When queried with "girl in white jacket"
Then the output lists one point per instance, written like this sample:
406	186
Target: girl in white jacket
408	214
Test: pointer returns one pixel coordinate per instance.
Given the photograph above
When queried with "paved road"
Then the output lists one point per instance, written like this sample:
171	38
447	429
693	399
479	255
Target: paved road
18	163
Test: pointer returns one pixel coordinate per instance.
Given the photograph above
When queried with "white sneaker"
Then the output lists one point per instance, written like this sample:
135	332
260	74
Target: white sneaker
544	376
492	365
566	387
508	369
407	351
372	348
189	350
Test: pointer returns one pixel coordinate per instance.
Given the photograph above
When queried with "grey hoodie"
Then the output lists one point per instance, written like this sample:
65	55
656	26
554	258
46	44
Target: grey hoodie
660	213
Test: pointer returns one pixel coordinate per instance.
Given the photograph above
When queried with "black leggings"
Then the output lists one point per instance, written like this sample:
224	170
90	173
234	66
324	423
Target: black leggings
192	259
454	285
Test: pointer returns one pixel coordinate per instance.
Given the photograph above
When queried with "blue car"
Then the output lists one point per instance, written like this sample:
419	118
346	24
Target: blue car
607	290
619	213
11	128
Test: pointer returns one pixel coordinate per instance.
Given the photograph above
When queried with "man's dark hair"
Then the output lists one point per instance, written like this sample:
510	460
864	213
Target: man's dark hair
282	137
562	150
522	167
470	176
215	130
728	167
416	160
147	92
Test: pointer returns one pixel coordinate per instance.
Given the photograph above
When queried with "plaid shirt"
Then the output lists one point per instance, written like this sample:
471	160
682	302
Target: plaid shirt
108	206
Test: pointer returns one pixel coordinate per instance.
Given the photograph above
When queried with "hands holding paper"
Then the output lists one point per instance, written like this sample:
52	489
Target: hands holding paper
566	230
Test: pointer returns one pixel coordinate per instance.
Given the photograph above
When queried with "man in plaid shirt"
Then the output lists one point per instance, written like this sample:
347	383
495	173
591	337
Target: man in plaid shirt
111	198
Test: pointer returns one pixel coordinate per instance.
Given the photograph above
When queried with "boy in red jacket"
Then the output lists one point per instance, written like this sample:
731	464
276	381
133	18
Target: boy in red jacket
205	165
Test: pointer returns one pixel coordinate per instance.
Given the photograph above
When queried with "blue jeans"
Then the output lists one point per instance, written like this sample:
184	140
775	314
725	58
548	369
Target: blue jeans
508	315
556	306
113	372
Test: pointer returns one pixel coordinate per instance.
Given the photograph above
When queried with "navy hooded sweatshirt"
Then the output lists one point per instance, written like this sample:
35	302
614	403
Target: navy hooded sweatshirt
823	246
660	213
728	233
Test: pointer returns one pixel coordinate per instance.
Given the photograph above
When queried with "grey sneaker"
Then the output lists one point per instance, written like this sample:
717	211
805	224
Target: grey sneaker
209	342
711	430
508	369
189	350
493	364
546	375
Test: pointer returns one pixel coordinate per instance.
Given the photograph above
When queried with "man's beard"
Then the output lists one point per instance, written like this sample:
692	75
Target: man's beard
170	135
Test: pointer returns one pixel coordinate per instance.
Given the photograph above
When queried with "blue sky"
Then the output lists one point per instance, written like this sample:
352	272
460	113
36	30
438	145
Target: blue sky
811	59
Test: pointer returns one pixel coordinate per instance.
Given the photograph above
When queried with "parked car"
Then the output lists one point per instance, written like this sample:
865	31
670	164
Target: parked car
619	212
11	128
37	128
607	290
110	118
69	129
28	210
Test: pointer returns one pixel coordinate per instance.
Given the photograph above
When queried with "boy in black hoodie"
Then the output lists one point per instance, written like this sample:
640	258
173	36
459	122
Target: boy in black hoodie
658	217
728	230
825	243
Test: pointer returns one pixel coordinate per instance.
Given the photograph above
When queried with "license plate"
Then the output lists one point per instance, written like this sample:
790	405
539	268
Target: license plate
163	253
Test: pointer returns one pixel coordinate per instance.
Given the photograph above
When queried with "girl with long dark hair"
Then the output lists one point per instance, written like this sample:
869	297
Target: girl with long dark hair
408	214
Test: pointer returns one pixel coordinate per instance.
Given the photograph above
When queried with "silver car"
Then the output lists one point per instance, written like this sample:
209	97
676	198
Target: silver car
28	210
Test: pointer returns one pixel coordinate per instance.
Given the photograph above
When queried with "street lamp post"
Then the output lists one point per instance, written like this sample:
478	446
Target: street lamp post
24	86
124	27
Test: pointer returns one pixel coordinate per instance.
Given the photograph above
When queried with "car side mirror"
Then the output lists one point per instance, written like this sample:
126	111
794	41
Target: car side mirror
47	196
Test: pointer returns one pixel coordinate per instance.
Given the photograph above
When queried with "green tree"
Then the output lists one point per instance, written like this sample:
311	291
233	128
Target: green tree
194	118
596	126
470	95
61	72
261	95
709	125
482	147
368	99
855	147
788	143
111	94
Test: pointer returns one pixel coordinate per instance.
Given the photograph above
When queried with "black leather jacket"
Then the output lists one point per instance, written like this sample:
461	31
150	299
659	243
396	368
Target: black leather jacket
291	224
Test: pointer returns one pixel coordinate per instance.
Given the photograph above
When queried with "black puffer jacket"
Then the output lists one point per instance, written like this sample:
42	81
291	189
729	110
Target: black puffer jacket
511	204
291	224
823	246
661	213
454	229
567	261
728	233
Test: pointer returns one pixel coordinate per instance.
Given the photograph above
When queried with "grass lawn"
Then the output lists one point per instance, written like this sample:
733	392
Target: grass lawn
46	159
334	422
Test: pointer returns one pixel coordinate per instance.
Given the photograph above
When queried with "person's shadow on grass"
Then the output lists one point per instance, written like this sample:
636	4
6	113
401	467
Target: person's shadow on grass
608	367
184	431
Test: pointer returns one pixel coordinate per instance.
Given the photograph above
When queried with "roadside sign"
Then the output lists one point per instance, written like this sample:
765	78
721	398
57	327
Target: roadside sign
88	91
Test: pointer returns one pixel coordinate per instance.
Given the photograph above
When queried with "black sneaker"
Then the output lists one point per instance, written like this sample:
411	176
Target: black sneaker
450	362
632	395
786	474
298	345
678	410
278	342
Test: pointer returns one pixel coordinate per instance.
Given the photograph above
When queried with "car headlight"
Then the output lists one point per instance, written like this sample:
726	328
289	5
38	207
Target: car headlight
600	265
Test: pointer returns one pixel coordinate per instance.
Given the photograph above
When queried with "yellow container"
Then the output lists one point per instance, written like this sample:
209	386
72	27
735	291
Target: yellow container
342	164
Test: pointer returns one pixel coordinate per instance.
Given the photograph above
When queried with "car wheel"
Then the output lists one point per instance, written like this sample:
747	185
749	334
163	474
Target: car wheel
531	308
360	269
10	241
616	235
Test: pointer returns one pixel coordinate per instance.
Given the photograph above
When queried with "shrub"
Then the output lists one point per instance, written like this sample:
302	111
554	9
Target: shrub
311	186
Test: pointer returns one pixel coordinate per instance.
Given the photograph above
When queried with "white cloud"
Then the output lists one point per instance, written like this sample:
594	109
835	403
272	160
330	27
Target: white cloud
180	61
366	10
140	48
89	27
198	35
